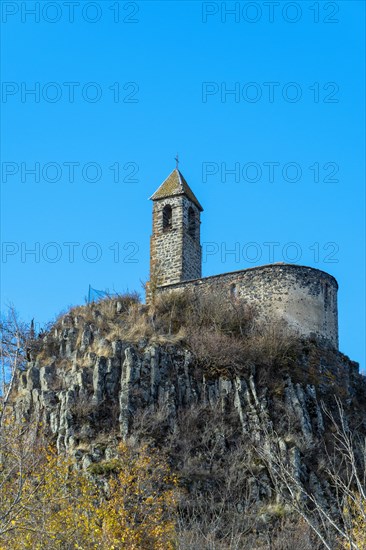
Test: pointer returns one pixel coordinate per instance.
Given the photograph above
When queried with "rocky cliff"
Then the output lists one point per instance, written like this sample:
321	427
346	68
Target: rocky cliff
90	389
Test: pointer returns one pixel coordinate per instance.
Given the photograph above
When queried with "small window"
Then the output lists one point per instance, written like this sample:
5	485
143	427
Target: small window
167	217
191	223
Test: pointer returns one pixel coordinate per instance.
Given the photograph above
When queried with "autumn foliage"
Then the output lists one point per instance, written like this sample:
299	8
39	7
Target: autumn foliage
47	503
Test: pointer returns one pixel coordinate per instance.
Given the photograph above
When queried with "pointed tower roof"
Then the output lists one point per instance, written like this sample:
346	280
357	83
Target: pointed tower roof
174	185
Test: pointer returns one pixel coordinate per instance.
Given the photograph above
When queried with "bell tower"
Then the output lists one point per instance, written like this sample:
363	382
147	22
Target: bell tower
175	248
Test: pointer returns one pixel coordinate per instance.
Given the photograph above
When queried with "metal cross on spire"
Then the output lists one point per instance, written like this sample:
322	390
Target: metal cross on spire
176	158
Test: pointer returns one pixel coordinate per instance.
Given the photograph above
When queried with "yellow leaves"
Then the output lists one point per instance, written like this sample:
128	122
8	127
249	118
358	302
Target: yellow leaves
354	513
60	504
137	515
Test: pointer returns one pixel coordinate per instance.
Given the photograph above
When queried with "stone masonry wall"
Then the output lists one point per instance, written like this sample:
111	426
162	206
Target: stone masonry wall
306	298
174	255
191	265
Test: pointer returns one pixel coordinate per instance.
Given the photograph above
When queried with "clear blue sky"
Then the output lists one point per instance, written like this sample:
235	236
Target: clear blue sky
127	85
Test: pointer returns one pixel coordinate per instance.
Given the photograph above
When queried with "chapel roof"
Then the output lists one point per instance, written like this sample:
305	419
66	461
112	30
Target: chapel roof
175	184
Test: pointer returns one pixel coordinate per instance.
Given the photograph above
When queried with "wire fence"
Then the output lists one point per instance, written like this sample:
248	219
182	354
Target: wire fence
95	295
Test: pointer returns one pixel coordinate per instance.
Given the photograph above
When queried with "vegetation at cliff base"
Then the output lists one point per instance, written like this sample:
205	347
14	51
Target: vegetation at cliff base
47	503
